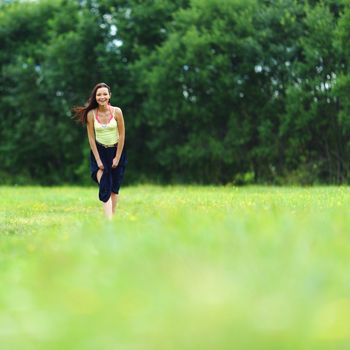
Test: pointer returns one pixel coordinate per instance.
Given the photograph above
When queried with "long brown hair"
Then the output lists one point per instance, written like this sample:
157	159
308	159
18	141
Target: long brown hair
80	112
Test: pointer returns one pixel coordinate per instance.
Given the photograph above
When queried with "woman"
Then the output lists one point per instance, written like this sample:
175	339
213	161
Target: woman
106	134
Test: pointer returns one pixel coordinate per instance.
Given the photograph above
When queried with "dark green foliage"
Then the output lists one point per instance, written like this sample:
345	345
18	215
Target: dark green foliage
212	91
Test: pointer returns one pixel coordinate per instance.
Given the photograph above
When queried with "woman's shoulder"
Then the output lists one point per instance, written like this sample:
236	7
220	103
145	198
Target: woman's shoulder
90	115
117	111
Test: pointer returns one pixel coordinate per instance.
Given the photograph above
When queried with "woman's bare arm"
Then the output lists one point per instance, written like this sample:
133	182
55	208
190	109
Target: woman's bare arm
91	137
118	115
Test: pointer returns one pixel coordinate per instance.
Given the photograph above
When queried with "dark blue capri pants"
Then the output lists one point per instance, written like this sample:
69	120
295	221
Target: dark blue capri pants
112	177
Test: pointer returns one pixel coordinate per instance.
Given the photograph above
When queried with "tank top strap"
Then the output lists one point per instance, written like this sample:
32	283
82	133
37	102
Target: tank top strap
112	115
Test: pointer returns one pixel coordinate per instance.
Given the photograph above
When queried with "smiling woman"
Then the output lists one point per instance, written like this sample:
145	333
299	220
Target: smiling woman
106	134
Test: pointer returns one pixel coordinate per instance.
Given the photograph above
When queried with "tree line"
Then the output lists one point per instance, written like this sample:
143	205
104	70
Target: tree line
229	91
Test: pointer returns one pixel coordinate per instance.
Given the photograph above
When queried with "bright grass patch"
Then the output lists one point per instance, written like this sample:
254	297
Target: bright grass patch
178	268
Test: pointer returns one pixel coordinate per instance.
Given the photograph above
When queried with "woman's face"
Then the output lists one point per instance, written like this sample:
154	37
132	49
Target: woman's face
102	96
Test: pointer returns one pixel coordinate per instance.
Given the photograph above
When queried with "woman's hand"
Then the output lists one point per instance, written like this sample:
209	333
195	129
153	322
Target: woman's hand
115	162
100	165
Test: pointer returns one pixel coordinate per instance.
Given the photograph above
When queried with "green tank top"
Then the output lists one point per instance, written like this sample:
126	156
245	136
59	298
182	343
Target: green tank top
107	134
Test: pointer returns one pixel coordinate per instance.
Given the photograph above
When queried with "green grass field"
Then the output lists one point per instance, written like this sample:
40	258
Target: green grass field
178	268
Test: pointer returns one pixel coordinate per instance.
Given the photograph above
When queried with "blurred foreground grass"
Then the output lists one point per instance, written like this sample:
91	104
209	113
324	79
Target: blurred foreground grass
178	268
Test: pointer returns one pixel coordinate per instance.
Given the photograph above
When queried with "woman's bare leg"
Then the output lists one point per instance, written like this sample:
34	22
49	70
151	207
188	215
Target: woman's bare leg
114	197
108	205
108	208
99	175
